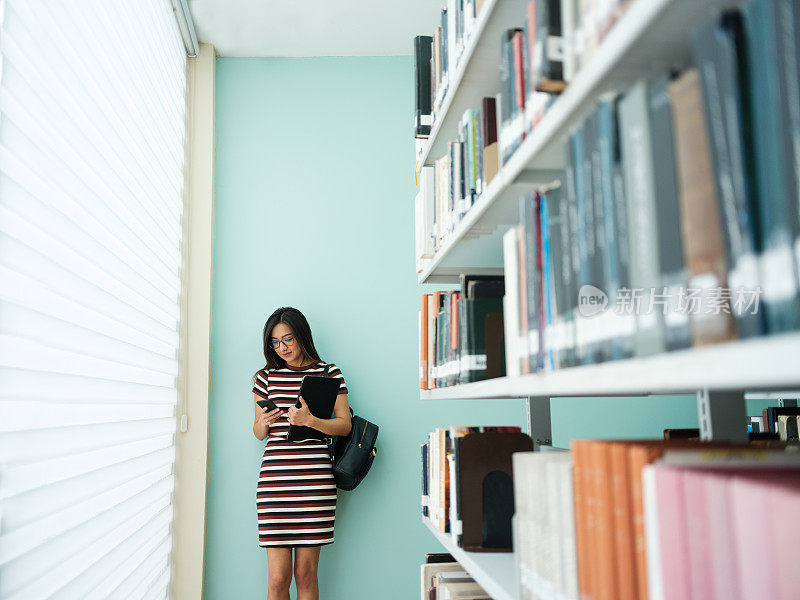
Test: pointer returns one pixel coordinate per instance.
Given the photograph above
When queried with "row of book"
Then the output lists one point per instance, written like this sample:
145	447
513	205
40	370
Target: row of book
624	520
466	483
448	189
532	71
555	39
671	230
461	333
442	578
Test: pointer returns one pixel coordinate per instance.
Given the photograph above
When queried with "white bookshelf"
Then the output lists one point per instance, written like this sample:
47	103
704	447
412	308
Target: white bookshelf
495	572
769	363
650	37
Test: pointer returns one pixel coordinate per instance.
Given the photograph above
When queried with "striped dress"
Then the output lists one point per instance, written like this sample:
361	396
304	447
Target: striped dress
296	493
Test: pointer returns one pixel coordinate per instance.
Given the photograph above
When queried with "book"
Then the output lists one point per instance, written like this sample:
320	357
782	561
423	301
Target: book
672	281
488	136
637	165
424	479
701	229
530	219
546	49
423	115
511	308
717	48
775	182
428	574
614	226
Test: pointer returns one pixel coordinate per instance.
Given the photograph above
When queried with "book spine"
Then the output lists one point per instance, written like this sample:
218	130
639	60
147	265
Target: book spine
422	77
529	218
548	49
715	55
642	227
774	187
677	330
572	271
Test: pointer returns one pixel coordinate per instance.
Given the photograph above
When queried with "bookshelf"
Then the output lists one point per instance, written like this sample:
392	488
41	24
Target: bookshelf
496	572
649	37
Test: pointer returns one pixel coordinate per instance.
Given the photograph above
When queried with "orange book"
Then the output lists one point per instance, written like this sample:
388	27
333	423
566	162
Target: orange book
604	573
625	557
579	476
423	343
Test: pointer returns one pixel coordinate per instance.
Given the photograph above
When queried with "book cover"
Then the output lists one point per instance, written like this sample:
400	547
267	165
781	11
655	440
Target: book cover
488	135
511	301
529	216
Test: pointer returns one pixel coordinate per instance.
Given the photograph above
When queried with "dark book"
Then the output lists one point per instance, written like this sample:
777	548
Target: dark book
557	337
615	229
601	323
585	332
677	328
488	137
509	112
681	434
716	46
775	181
424	479
473	362
439	557
572	272
548	286
530	219
546	49
493	285
773	412
423	119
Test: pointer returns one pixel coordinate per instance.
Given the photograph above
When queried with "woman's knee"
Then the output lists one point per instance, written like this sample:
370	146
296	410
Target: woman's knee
280	579
305	576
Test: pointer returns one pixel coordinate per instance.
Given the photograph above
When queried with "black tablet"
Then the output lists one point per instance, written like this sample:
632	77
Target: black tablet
320	396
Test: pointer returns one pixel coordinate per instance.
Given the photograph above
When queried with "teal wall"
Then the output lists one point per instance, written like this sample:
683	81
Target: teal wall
314	196
314	209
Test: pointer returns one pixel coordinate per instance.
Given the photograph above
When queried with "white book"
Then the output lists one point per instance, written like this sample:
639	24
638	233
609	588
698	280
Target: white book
450	591
429	570
569	28
655	585
511	302
427	188
452	50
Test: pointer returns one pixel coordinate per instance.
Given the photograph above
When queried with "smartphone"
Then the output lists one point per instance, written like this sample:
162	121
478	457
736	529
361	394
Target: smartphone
266	403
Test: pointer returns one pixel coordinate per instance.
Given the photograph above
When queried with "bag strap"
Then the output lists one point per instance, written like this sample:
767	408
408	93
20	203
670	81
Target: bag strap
327	367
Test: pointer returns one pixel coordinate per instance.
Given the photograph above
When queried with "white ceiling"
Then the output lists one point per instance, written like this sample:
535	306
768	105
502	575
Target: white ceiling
314	27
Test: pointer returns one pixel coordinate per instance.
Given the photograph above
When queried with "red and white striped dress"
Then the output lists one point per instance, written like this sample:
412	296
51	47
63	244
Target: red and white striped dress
296	494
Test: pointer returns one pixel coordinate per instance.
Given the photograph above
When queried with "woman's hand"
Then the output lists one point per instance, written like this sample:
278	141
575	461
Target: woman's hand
268	417
301	416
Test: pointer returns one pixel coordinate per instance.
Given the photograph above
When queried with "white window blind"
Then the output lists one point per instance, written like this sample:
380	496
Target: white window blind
92	127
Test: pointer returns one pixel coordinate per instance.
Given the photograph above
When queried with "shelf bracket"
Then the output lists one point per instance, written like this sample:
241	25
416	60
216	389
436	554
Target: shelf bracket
722	415
539	426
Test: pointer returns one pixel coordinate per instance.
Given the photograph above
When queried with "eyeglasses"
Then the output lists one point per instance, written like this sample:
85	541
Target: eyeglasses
288	340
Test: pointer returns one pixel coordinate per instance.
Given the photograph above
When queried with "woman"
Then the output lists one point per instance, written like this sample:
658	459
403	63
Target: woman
296	497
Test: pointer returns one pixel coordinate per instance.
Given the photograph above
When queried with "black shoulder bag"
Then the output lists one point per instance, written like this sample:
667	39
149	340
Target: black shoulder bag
352	454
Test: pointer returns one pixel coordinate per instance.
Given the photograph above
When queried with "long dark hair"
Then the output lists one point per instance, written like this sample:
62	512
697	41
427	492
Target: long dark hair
302	334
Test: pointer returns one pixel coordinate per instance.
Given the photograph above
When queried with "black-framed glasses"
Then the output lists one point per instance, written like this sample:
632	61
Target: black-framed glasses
288	340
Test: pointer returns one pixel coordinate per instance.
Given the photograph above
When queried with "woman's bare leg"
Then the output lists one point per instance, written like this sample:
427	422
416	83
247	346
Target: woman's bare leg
306	562
279	561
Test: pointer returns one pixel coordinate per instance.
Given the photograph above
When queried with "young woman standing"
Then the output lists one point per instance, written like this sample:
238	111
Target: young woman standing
296	494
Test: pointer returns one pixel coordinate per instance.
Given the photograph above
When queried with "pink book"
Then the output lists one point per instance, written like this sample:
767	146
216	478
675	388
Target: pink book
724	571
672	534
782	513
748	500
698	532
